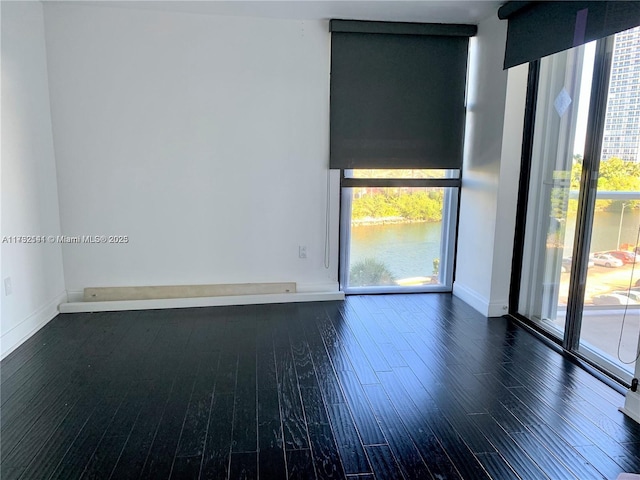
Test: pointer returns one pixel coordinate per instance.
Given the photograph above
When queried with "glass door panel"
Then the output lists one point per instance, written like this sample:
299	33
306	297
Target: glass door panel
611	312
554	186
611	308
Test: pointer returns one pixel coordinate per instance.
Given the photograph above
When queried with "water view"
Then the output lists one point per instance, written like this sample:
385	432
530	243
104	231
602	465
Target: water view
409	249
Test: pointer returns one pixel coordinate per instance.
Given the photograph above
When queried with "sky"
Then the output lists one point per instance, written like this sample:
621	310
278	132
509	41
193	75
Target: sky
583	103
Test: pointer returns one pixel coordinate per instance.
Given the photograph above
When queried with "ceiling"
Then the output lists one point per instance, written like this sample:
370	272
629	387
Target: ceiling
432	11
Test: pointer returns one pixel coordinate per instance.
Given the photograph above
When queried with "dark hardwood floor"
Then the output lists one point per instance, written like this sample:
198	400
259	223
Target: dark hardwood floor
377	387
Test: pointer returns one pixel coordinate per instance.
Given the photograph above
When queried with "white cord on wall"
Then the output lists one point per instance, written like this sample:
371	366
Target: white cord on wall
327	246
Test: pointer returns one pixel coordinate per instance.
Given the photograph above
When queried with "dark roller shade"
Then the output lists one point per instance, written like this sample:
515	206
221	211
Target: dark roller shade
538	29
397	99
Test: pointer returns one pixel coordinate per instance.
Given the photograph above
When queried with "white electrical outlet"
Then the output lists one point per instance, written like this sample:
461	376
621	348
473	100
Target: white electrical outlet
302	251
7	286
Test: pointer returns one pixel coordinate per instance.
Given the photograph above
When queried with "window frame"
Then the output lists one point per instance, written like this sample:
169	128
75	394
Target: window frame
448	242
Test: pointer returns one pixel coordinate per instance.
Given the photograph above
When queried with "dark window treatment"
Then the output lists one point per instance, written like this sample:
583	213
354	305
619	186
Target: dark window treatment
397	94
538	29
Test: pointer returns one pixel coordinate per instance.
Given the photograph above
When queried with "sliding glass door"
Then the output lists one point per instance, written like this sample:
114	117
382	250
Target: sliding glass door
580	282
554	186
611	303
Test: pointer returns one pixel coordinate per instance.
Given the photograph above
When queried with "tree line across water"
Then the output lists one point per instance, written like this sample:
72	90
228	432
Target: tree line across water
425	205
417	206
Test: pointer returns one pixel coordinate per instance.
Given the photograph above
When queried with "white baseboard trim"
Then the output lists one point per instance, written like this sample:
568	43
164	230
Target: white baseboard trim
470	296
632	406
498	309
479	302
115	306
16	336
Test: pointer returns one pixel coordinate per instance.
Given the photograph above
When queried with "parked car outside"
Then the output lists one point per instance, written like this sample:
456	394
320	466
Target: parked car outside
613	299
566	264
632	294
606	260
626	257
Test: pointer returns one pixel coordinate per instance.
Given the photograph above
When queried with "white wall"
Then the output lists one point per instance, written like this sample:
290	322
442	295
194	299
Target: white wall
29	191
490	173
204	139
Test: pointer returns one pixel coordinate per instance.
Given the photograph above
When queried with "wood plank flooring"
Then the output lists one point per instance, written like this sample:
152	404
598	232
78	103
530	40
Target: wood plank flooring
376	387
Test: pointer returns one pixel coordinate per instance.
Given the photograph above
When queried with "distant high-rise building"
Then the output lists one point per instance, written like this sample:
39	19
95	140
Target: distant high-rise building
622	120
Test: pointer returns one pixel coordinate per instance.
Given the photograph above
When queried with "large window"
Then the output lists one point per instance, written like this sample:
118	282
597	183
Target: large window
397	121
398	230
580	278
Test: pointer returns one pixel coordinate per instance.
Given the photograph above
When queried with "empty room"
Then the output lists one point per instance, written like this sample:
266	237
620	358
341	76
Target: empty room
320	240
